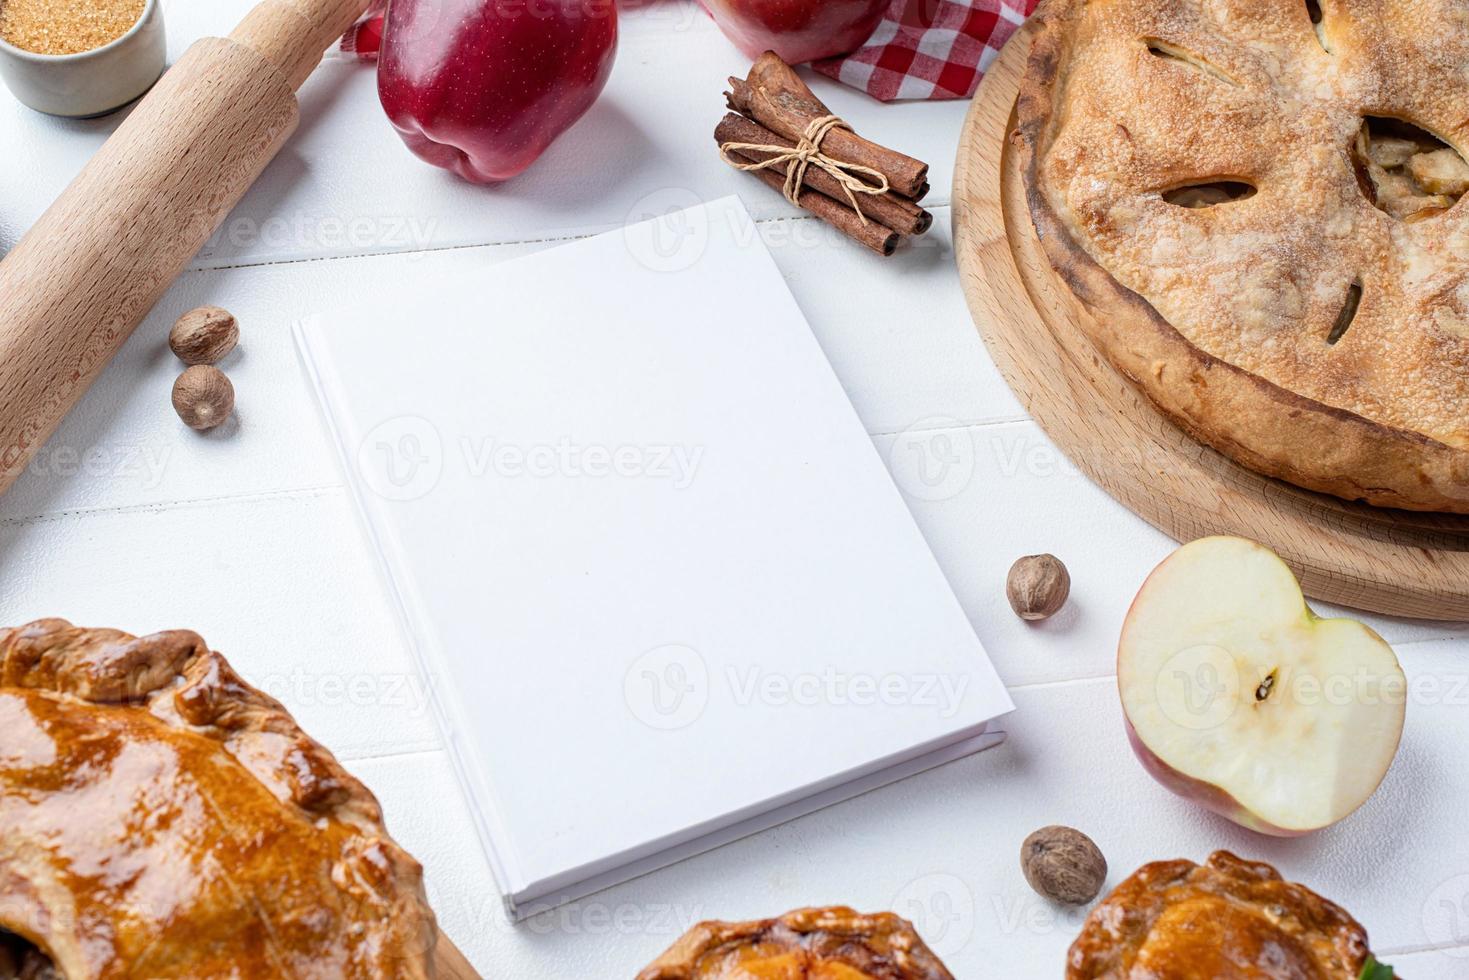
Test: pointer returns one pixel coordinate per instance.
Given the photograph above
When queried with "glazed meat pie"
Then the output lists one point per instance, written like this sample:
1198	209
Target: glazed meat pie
808	944
161	818
1227	919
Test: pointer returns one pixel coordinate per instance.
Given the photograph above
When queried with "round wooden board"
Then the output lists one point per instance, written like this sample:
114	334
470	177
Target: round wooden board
449	963
1384	561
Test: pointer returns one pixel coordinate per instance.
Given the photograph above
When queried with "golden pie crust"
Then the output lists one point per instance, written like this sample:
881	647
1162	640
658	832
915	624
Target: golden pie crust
1229	317
1229	919
808	944
161	818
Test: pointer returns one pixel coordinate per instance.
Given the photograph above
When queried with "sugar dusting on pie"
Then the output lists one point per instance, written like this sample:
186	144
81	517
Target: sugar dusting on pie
161	818
1262	201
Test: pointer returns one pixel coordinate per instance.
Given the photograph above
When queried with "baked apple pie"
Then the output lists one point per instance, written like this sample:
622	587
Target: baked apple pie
820	944
161	818
1227	919
1261	201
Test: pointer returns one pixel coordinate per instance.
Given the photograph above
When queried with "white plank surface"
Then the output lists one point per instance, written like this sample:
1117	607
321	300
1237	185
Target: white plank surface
338	189
130	520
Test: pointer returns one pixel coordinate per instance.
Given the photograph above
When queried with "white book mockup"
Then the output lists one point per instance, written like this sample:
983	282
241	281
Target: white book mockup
660	583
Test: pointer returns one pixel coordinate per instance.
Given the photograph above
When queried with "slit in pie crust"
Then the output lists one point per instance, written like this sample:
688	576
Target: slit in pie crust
161	818
1315	329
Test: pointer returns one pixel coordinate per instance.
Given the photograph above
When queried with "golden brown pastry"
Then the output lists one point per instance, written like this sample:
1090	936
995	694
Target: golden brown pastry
820	944
1229	919
161	818
1266	217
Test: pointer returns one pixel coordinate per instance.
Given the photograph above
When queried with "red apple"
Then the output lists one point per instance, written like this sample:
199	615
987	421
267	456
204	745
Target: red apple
1238	697
797	30
482	87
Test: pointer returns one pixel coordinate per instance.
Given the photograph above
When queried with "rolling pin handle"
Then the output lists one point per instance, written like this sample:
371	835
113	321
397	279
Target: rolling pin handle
92	267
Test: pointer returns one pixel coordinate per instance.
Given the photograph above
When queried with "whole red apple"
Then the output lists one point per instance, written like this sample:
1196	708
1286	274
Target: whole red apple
797	30
482	87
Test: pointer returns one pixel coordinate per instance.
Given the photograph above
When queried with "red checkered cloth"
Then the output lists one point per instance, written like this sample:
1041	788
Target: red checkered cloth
930	49
922	49
366	36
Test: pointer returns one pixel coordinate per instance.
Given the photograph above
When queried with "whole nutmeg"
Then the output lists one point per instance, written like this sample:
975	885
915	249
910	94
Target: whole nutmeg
204	335
1063	865
1037	586
203	397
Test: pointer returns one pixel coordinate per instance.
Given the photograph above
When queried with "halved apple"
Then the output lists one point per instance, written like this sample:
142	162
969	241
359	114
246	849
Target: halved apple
1239	697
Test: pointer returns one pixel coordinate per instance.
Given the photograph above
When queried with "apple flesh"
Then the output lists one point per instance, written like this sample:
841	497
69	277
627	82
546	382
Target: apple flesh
797	30
1238	697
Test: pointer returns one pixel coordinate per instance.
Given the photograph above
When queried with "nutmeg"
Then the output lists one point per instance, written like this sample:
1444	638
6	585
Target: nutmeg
1037	586
203	397
1063	865
204	335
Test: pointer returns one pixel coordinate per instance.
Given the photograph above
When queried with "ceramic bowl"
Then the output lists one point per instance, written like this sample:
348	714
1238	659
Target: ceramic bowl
89	83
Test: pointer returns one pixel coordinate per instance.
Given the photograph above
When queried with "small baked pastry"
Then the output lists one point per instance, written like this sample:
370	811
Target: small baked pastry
161	818
1261	202
821	944
1228	919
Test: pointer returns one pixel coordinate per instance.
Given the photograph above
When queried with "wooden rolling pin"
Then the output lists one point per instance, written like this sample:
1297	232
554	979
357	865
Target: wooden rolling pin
103	254
88	272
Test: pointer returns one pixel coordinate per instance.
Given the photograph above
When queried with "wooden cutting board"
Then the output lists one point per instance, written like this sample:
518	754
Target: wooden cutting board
1384	561
449	963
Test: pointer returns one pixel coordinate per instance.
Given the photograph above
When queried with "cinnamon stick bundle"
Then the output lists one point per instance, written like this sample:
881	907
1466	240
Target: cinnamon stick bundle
866	191
774	96
880	238
897	213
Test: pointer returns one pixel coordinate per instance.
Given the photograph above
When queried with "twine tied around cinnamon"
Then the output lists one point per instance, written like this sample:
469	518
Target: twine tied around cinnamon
806	153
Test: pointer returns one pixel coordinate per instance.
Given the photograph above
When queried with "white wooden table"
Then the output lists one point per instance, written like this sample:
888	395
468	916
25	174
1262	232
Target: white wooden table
128	519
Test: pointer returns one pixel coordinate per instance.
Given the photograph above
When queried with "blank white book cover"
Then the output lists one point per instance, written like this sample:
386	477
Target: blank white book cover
662	586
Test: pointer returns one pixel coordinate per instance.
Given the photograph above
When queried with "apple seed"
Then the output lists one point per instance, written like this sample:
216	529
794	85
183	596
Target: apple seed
1263	691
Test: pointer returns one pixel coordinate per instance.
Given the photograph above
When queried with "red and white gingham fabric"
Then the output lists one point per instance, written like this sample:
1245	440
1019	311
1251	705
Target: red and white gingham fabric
930	49
922	49
366	36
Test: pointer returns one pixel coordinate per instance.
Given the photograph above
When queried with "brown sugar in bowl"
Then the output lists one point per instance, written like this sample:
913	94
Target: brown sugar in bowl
41	63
